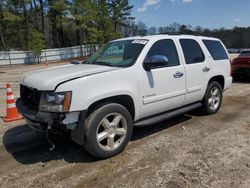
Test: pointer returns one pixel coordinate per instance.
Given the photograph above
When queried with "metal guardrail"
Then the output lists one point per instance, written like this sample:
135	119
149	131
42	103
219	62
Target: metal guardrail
48	55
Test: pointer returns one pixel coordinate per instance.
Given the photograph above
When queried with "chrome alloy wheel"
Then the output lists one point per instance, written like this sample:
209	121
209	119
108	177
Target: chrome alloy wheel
111	131
214	98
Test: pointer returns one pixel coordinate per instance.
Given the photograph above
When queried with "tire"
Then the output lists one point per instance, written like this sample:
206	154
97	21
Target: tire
110	123
213	98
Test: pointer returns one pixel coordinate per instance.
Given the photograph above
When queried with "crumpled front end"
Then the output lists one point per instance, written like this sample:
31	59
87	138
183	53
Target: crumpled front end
29	105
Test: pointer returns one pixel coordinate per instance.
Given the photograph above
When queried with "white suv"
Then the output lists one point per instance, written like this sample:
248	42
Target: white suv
129	82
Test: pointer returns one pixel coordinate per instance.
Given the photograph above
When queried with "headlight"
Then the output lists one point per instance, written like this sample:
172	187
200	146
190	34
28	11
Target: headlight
55	102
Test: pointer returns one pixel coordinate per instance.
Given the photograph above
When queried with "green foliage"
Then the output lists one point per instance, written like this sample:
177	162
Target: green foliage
36	42
74	22
9	17
59	6
85	13
105	23
62	22
237	37
120	11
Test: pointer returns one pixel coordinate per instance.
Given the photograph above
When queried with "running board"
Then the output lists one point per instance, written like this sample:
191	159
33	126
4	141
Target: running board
167	115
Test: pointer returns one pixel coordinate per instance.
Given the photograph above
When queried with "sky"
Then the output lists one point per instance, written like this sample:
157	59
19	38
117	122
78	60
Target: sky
206	13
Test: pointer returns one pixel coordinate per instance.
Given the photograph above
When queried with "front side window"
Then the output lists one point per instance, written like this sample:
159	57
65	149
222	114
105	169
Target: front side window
118	54
164	48
216	49
192	51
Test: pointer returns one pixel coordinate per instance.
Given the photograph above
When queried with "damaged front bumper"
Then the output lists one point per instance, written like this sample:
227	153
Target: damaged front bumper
39	121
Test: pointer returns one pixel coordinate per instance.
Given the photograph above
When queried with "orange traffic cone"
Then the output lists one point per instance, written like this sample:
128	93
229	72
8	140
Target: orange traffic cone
12	113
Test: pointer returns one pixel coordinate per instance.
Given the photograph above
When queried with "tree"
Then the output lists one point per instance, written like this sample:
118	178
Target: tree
23	4
165	30
1	27
120	11
152	31
75	22
104	22
7	25
36	43
63	22
42	16
175	27
85	15
142	29
133	29
57	10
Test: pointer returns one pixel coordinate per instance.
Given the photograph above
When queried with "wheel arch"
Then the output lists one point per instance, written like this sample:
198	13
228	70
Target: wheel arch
220	79
124	100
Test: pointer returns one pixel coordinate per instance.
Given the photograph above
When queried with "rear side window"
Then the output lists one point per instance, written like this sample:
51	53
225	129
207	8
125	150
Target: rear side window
216	49
192	51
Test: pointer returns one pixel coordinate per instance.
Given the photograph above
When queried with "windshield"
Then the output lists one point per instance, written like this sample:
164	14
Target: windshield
118	54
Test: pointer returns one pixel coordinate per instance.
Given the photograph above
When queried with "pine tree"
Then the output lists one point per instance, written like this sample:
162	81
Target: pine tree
42	16
120	11
105	27
8	26
85	14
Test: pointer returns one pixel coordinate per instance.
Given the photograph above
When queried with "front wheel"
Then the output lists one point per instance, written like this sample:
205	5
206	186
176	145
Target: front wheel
108	130
213	98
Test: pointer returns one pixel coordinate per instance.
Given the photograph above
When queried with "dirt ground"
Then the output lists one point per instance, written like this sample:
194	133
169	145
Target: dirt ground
188	151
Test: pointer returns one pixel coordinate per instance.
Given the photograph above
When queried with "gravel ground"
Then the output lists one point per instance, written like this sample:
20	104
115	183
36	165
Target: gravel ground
188	151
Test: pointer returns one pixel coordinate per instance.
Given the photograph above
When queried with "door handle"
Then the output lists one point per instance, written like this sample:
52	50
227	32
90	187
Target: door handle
206	69
178	74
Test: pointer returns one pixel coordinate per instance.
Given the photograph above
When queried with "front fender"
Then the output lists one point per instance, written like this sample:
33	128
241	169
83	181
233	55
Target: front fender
88	90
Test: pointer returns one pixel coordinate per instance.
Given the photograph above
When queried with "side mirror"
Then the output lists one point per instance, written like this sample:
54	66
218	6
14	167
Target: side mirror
156	61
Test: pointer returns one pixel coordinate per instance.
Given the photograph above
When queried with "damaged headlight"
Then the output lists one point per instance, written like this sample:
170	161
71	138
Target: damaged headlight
55	102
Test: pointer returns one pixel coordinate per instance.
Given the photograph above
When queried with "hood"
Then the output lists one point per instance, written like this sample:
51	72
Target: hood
48	79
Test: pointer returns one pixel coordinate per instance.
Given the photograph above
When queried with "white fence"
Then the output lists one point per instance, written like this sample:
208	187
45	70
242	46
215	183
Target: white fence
48	55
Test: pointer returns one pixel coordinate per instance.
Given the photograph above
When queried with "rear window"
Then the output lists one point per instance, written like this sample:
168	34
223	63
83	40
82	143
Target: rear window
216	49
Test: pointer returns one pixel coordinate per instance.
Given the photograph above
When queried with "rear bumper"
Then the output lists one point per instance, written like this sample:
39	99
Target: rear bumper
38	121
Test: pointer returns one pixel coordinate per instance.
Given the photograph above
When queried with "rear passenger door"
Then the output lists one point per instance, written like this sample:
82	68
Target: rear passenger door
197	69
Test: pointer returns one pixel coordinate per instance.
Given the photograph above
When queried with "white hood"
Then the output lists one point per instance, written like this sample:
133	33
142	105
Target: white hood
48	79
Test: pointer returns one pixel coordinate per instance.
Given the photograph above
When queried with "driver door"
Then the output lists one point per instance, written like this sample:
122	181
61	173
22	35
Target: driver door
163	88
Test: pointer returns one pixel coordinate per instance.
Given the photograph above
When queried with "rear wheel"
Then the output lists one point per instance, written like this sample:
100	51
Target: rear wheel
213	98
108	130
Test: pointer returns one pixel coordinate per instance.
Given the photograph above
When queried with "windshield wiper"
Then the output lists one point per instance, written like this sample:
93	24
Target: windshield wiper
102	63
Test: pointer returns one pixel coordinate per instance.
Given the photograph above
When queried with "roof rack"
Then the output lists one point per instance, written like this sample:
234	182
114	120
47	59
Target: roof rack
172	33
177	33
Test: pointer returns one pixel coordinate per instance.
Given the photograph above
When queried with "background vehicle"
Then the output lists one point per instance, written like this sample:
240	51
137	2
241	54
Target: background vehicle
130	82
241	65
